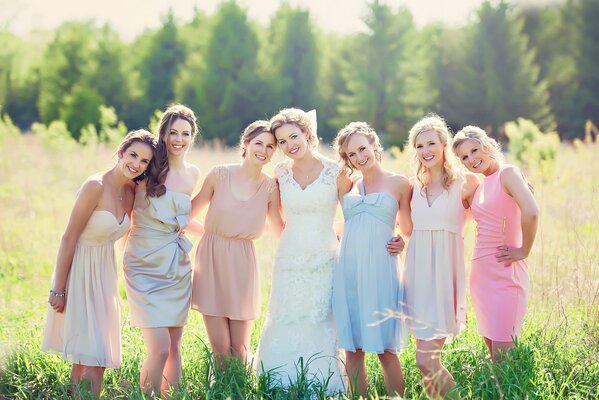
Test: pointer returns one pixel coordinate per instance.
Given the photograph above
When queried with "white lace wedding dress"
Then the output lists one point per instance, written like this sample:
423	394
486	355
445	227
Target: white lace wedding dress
299	331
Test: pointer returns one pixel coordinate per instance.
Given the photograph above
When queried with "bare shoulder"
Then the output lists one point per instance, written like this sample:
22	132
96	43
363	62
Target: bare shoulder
93	185
510	173
470	180
399	181
193	170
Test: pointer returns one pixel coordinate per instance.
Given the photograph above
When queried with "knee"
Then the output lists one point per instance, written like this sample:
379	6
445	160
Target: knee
159	353
221	347
239	349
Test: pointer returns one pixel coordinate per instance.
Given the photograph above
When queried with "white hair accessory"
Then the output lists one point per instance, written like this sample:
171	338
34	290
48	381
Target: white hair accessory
313	124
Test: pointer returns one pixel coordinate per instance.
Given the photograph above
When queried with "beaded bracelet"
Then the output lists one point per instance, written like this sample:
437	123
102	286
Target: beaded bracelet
56	294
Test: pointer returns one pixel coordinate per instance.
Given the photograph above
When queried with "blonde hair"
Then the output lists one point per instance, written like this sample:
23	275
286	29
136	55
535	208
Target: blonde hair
433	122
342	139
253	130
296	117
479	136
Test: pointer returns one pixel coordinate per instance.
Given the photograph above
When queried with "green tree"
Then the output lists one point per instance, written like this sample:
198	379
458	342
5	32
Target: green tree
504	83
378	74
159	67
81	108
293	58
66	60
587	60
233	91
555	35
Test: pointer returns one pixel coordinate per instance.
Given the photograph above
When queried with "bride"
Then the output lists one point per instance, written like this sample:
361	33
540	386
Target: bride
299	335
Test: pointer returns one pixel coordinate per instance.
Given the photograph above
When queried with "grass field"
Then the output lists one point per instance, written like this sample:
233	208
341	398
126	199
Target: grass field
557	358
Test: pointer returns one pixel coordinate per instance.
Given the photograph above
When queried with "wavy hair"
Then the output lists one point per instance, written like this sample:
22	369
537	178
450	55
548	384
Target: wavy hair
155	186
433	122
356	128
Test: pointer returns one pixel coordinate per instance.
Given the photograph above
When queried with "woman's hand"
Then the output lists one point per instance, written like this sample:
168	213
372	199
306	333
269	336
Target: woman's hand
508	255
57	302
395	245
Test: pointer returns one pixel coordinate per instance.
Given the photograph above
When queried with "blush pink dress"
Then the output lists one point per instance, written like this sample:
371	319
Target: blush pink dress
499	293
226	278
435	283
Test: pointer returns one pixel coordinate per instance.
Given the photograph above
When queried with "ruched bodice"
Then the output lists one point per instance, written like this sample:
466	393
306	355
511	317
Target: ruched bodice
381	206
157	266
367	284
103	229
497	217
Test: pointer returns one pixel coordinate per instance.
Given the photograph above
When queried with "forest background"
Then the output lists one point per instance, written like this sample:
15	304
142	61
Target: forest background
504	63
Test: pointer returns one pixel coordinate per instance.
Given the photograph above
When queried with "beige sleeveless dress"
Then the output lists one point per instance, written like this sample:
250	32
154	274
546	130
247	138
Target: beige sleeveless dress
226	279
88	332
157	266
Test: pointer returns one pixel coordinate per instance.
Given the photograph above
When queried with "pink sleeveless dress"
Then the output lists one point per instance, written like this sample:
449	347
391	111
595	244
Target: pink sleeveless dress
226	277
499	293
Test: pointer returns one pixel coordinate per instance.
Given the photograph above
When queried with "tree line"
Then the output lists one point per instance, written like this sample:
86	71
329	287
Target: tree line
508	63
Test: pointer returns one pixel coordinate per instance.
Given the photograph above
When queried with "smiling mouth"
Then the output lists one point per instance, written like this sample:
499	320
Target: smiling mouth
428	158
294	150
178	146
133	171
363	162
477	164
261	158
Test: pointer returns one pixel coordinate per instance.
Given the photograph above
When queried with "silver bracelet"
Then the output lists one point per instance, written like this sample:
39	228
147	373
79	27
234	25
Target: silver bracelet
56	294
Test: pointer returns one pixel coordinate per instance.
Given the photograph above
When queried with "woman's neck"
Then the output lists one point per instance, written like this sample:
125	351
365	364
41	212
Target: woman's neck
250	170
176	162
306	161
373	173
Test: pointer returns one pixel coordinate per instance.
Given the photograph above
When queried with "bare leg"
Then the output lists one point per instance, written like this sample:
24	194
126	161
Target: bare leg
392	373
157	344
95	376
356	372
437	380
240	333
173	366
219	336
76	372
489	344
500	349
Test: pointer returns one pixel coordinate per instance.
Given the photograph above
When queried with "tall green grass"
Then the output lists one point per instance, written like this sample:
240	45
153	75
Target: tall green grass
557	356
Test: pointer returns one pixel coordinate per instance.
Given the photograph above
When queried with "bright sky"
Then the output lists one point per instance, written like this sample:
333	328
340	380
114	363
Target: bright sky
131	17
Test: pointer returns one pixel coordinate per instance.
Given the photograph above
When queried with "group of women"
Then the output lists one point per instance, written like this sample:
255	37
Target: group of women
355	297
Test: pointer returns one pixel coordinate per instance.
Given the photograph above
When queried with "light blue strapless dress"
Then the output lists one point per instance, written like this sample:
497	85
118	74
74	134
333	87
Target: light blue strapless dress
367	289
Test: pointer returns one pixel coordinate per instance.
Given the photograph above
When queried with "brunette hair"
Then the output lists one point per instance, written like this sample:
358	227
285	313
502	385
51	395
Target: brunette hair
155	185
353	128
433	122
141	136
296	117
254	129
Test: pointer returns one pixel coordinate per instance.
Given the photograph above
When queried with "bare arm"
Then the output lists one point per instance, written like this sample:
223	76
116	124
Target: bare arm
274	212
86	202
405	210
202	199
516	186
468	189
344	184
